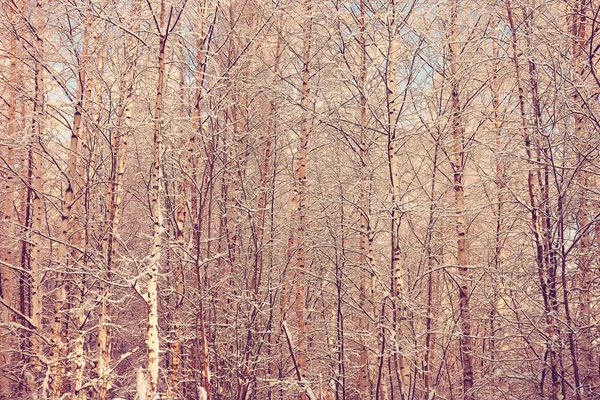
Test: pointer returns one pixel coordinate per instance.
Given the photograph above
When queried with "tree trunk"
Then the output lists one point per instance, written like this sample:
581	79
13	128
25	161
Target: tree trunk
8	279
397	270
58	382
584	388
207	180
534	210
432	285
157	219
300	194
498	331
458	167
365	245
35	255
113	200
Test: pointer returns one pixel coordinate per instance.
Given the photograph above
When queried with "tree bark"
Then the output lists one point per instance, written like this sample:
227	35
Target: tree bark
8	278
114	197
498	331
458	167
66	241
36	241
300	173
366	234
152	340
534	210
397	270
432	285
584	387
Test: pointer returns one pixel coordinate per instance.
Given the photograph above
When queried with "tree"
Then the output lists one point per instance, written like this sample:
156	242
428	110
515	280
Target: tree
337	200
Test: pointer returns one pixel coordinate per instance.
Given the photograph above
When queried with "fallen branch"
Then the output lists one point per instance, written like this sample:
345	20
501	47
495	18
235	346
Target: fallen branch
303	382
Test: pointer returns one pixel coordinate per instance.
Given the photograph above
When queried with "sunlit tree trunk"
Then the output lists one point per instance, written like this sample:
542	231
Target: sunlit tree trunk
81	229
37	210
179	267
458	167
113	200
300	173
152	339
397	270
66	240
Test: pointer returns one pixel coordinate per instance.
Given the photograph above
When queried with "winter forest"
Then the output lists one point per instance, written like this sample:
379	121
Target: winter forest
299	199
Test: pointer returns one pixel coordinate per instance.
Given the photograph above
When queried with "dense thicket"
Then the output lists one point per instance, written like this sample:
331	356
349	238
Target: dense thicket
337	199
